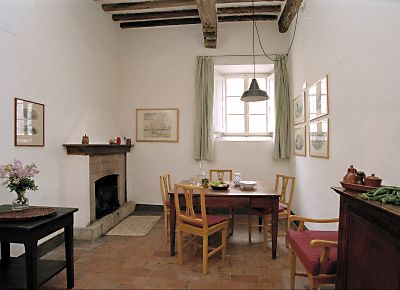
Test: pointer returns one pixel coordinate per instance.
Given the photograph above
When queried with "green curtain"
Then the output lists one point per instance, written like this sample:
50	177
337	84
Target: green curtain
203	127
282	145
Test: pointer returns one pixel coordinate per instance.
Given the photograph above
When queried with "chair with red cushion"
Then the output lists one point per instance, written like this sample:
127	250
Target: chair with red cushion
316	250
282	183
197	224
165	188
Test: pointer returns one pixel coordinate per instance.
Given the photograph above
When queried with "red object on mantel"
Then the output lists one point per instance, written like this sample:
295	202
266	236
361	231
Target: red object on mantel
118	140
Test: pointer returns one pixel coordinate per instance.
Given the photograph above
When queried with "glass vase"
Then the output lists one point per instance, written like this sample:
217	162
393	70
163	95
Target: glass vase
21	202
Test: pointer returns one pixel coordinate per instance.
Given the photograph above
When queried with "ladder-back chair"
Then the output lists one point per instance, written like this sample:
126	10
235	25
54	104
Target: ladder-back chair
221	174
165	188
316	251
284	185
198	224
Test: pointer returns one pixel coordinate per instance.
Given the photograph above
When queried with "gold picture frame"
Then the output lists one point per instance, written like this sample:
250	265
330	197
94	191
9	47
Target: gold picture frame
300	141
318	99
318	133
157	125
28	123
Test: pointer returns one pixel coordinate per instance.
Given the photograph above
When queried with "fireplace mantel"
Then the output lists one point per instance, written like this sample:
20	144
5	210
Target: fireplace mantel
96	149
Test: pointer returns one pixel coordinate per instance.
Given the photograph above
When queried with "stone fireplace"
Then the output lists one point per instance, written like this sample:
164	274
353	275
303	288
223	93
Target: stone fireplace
107	187
106	195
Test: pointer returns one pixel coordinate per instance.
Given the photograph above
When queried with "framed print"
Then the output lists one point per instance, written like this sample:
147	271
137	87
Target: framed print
300	141
318	99
157	125
28	123
299	115
319	138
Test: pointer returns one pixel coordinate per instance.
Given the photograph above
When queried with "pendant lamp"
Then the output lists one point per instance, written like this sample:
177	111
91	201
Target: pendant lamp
254	94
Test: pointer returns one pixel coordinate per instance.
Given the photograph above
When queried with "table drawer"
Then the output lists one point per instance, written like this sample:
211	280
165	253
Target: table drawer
261	202
228	202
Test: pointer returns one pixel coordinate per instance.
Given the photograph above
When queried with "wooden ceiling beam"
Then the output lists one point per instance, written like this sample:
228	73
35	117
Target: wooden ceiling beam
192	13
183	21
167	4
156	15
146	5
257	17
208	15
164	22
289	12
249	9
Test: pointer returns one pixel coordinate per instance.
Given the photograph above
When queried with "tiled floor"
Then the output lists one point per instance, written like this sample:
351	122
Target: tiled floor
118	262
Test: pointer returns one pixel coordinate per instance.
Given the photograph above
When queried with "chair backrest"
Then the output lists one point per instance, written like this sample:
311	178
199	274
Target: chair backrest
220	173
165	187
189	216
281	187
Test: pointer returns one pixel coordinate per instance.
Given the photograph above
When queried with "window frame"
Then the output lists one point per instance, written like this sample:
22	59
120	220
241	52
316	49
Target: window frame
247	80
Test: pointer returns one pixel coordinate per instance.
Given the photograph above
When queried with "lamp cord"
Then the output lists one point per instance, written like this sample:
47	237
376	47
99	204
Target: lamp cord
254	56
259	40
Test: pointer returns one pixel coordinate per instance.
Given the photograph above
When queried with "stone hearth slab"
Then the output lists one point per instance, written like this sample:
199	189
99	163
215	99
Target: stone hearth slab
103	225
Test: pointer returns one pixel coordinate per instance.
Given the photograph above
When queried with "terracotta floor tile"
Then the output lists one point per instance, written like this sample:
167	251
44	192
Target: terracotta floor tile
121	262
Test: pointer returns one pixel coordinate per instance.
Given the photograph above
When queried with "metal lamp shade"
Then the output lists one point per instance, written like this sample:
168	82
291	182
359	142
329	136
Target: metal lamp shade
254	94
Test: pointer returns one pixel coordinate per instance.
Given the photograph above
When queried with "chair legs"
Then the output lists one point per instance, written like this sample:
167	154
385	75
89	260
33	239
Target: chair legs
292	270
180	247
223	241
232	220
250	227
205	254
166	226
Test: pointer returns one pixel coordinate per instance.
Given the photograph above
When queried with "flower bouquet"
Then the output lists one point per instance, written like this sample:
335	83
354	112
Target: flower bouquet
19	179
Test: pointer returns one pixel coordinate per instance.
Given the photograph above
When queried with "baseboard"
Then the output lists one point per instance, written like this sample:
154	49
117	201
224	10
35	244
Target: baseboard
149	207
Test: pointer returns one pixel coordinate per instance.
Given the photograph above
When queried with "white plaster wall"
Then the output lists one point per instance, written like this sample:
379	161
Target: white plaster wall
357	44
63	54
158	71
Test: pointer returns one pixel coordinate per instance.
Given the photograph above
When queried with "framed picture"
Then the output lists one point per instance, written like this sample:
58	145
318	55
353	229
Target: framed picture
300	141
157	125
28	123
319	138
299	115
318	99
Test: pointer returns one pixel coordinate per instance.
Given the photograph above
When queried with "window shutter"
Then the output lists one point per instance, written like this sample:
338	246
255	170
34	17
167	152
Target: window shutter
219	104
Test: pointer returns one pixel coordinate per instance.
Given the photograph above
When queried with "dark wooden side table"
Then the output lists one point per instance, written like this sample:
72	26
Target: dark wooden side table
27	271
369	239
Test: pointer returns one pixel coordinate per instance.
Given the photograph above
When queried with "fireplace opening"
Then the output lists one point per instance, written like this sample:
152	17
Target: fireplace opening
106	194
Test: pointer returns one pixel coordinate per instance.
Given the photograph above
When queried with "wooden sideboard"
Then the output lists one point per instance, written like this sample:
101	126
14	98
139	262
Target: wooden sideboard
369	243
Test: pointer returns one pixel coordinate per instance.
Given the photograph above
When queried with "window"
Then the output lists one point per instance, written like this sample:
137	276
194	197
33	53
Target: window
233	117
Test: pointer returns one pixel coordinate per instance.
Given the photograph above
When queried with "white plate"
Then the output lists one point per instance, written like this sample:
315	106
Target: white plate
248	184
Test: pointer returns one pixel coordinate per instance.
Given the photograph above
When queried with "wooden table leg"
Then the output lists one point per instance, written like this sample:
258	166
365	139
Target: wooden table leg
31	263
69	253
5	253
172	224
274	226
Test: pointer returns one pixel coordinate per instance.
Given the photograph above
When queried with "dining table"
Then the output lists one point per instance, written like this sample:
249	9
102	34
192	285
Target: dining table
262	196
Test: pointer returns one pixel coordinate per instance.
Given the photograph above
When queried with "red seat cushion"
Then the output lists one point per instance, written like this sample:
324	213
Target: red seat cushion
211	220
309	256
282	207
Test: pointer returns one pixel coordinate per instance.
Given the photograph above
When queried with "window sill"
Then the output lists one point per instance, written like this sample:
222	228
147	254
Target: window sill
243	138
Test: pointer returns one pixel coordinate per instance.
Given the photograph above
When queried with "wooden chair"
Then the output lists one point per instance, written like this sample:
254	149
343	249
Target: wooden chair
316	250
165	188
220	174
198	224
282	182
